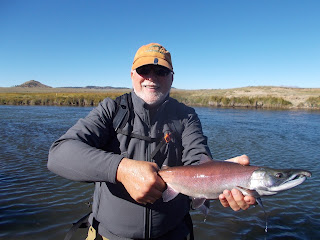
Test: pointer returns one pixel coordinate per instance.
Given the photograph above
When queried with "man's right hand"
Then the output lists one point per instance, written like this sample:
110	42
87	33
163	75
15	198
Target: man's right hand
141	180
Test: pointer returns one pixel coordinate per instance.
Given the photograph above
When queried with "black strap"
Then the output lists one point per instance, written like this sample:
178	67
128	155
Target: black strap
79	224
95	224
124	111
123	108
134	135
158	147
122	116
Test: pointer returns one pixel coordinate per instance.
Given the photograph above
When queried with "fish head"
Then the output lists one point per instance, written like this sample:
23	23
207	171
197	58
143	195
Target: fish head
268	181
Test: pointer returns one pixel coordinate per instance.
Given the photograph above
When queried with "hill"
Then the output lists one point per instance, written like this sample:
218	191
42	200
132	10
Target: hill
33	84
36	84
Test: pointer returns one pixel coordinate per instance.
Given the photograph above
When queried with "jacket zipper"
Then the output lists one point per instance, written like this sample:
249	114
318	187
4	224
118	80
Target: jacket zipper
148	211
147	226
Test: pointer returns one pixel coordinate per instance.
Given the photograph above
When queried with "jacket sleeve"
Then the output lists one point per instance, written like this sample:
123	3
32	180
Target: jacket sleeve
194	143
78	154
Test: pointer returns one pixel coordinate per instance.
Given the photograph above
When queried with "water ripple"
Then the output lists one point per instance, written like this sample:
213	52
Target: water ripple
36	204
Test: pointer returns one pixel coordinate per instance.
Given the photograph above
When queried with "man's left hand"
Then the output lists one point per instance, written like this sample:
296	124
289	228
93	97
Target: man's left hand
234	198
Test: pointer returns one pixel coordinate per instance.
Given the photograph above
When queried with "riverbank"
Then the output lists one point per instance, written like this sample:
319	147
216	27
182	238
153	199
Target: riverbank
248	97
259	97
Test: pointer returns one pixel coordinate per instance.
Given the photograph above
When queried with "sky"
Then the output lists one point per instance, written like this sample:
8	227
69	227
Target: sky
214	44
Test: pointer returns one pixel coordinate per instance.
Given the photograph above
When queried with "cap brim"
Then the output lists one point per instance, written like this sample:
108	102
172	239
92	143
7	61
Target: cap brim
150	60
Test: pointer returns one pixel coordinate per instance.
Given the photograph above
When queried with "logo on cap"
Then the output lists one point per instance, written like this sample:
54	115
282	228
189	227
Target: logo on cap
156	48
156	60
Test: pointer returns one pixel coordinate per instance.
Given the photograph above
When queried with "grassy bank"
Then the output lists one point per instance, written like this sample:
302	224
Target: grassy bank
57	99
222	101
249	97
313	102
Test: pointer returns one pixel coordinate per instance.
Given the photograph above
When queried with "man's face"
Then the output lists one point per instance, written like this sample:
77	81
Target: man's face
152	83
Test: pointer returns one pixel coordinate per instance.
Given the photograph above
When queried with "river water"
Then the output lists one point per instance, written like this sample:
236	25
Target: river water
36	204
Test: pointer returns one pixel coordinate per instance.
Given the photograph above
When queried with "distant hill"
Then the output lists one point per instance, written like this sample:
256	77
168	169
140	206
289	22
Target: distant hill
37	84
33	84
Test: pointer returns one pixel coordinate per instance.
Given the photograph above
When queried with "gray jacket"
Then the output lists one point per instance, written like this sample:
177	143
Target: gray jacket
91	151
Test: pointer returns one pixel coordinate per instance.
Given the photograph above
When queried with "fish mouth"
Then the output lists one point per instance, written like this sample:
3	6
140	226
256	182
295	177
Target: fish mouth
294	180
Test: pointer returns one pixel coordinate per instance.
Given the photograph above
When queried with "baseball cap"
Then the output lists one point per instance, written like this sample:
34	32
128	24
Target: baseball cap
152	53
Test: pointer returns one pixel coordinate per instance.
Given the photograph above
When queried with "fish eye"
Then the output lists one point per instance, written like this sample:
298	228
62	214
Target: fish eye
279	175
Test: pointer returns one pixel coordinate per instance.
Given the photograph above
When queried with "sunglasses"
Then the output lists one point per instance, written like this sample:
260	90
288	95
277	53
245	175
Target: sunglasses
158	70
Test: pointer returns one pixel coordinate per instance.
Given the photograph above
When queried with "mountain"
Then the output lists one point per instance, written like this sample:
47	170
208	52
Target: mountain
33	84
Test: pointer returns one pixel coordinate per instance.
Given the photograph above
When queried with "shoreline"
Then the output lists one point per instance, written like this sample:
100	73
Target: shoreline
245	97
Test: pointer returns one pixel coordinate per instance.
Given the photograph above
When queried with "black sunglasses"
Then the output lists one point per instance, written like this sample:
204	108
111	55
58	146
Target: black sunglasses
158	70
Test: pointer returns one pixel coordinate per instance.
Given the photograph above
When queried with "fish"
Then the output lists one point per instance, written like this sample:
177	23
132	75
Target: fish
208	179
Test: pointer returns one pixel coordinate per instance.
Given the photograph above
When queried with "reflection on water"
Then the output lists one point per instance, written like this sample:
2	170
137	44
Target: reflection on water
36	204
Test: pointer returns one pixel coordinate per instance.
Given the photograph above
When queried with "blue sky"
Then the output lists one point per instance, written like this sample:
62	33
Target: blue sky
214	44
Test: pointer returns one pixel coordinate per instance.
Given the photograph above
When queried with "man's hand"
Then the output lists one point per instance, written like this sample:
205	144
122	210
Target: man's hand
141	180
235	198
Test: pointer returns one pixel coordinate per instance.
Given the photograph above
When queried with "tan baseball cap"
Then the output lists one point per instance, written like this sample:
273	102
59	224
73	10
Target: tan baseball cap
152	53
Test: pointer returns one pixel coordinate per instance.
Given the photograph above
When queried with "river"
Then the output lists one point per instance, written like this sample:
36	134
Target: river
36	204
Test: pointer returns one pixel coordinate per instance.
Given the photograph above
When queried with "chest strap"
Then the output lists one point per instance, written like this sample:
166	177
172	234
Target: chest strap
134	135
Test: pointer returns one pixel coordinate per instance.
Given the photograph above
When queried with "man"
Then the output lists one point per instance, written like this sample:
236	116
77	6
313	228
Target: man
127	200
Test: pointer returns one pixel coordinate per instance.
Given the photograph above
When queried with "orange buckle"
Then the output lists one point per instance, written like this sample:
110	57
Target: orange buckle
167	137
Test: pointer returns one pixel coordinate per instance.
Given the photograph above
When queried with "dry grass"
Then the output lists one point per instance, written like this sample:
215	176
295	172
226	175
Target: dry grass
58	98
258	97
298	97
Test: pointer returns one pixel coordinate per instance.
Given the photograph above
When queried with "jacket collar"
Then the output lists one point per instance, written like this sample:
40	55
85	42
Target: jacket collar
142	108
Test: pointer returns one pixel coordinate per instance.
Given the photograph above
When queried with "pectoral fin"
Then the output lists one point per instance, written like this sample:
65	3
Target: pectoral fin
169	194
246	191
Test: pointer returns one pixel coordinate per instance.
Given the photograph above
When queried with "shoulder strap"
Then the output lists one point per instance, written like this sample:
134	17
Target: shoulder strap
121	117
124	107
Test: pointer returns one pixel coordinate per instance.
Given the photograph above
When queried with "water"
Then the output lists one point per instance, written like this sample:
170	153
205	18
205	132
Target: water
36	204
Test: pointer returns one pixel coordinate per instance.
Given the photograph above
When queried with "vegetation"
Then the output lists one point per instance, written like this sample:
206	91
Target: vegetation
247	97
313	102
93	98
58	99
222	101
